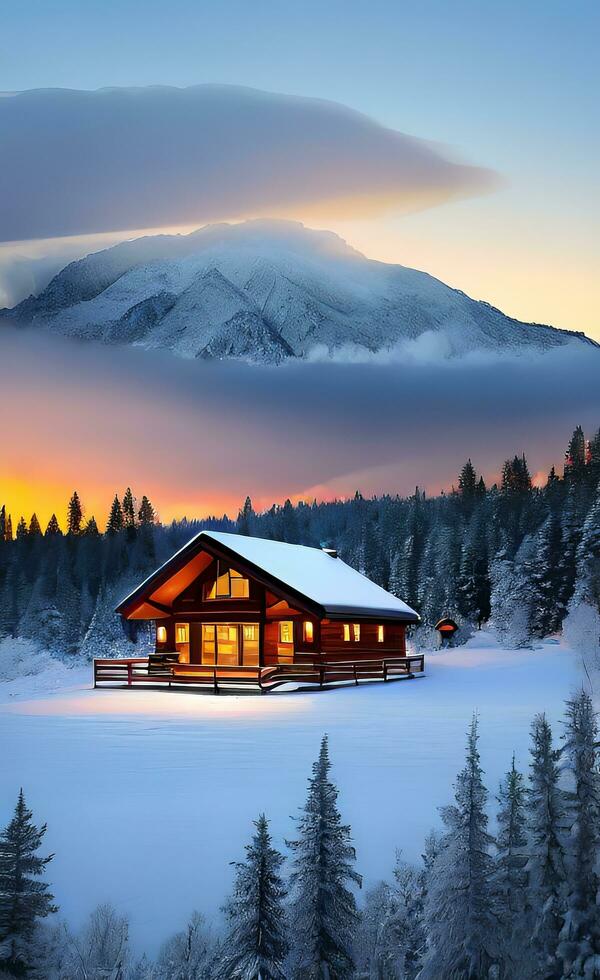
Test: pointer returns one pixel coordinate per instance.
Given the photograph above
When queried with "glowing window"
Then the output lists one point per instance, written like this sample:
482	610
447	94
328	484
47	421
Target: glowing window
346	632
161	634
308	631
228	584
356	632
380	634
286	632
182	633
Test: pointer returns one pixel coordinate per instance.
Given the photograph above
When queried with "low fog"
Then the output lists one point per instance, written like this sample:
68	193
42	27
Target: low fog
198	436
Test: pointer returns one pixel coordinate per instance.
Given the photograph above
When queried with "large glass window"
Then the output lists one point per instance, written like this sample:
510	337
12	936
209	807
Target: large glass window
209	644
250	644
227	644
230	644
227	584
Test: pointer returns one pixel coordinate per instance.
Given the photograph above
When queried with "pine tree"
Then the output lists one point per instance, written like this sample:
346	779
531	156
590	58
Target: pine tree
459	911
146	515
74	515
245	518
575	454
8	533
3	522
91	528
547	611
467	481
546	859
579	946
115	521
34	527
256	943
52	527
324	913
22	531
24	899
510	877
128	509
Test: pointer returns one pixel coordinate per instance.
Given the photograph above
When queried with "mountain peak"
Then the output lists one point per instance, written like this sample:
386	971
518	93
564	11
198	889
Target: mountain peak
264	290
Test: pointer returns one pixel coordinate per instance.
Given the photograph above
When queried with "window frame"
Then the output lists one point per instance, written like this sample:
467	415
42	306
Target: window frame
211	593
285	622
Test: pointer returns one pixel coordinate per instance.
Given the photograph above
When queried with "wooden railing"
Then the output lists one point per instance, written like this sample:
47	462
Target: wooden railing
134	671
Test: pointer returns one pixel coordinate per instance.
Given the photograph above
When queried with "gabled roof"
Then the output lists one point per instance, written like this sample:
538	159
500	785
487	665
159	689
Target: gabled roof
318	581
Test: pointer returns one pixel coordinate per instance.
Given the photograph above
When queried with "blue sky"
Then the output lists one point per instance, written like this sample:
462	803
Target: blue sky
510	86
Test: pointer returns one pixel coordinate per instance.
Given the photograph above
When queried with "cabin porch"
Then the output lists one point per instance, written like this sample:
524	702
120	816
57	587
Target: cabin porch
217	678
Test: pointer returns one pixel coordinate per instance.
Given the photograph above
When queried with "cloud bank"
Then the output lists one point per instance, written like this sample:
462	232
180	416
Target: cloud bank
76	162
198	436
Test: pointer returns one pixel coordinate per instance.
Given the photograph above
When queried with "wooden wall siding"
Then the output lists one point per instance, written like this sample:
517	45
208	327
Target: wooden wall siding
332	638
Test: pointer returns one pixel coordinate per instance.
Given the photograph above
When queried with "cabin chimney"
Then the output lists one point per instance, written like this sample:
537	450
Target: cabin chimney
330	551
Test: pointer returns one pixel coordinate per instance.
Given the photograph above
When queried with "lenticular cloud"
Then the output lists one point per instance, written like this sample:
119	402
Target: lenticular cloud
78	162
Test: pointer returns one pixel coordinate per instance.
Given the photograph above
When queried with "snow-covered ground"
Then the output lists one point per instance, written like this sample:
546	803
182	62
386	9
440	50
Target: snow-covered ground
149	795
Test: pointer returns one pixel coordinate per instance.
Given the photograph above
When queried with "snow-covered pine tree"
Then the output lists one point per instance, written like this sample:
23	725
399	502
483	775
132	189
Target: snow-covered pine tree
547	611
256	945
460	918
24	898
128	508
510	877
579	945
324	915
545	866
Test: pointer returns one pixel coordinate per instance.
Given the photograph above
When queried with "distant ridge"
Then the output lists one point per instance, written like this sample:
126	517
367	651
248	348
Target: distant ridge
265	291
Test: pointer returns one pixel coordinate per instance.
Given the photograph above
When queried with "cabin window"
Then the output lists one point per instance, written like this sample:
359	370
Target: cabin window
286	632
182	641
228	584
209	646
308	631
161	634
356	632
380	634
182	633
346	632
250	643
227	644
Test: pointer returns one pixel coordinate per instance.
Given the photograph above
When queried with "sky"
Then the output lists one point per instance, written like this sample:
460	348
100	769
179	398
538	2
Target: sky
510	87
459	138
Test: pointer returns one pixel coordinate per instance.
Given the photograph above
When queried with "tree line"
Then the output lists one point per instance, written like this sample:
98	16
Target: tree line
518	905
524	557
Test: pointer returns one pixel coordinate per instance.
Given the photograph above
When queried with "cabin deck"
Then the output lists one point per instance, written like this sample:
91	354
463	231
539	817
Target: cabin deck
261	680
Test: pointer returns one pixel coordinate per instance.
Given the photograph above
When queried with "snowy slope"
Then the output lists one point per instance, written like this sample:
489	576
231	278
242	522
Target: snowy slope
171	782
266	291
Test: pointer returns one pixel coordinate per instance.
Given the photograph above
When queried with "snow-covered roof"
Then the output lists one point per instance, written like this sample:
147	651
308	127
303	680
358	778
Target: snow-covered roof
322	579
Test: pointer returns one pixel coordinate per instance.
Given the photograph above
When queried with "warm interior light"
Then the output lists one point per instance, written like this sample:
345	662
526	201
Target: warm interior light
346	632
308	631
286	632
161	634
356	631
380	634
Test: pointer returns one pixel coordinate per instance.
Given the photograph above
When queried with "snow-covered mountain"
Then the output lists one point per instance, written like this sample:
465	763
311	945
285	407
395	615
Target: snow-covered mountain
265	291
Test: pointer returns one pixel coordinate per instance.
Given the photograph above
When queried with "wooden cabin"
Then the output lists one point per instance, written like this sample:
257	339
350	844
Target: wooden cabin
233	607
